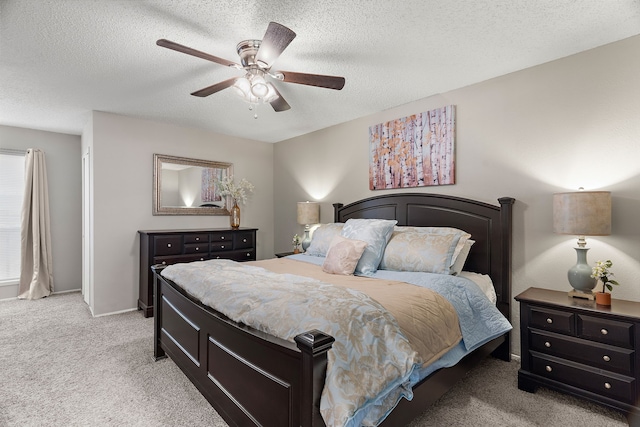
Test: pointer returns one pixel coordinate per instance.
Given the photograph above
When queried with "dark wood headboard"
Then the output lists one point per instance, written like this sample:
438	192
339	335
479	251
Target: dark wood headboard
489	226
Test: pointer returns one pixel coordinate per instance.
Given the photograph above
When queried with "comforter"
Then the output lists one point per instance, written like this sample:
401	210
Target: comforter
370	337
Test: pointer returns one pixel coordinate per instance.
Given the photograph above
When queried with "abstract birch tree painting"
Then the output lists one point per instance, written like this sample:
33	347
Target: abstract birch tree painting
413	151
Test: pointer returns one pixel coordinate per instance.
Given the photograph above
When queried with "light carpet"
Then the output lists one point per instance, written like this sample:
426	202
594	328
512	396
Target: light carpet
61	367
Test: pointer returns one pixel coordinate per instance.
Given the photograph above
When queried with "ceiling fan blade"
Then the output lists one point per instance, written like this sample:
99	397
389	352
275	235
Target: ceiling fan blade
215	88
279	104
189	51
319	80
274	42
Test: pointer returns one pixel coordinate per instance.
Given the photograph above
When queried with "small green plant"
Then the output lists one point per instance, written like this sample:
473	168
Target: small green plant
296	242
602	273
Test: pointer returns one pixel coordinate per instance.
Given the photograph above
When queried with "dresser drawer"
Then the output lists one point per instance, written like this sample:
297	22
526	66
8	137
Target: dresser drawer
601	356
553	320
249	255
222	237
605	330
196	238
167	245
618	387
168	260
243	241
196	248
221	246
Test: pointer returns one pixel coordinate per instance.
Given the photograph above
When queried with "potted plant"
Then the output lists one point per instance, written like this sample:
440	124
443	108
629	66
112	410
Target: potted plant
296	244
602	273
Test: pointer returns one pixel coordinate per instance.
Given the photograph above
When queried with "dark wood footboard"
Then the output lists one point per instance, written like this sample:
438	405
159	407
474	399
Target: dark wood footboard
249	377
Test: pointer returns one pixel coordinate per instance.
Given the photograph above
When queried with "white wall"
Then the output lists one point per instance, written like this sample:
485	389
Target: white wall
555	127
122	150
62	156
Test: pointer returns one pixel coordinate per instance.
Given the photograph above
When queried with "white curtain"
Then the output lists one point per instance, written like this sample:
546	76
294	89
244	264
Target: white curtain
36	275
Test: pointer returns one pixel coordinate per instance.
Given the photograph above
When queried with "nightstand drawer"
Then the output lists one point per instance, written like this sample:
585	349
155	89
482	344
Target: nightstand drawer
601	356
618	387
553	320
605	330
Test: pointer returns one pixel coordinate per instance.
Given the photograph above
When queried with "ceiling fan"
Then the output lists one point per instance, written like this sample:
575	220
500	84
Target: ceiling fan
256	59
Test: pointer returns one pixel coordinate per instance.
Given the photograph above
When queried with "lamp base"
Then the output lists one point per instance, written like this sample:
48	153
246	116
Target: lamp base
582	294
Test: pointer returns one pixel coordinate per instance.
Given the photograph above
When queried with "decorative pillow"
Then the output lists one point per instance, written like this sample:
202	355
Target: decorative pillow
464	236
420	251
343	256
322	237
376	233
458	264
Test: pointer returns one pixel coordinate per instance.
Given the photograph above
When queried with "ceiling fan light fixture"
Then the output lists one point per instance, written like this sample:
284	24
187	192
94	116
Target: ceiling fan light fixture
242	87
259	86
271	95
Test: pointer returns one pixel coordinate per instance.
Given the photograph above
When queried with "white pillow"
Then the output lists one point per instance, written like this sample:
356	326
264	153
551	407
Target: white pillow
322	237
376	233
343	256
458	264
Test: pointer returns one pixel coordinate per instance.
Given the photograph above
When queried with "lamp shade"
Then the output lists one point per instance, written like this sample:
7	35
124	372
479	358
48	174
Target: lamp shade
308	213
582	213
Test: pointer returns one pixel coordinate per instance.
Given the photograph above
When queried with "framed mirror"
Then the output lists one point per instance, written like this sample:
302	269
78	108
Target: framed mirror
183	186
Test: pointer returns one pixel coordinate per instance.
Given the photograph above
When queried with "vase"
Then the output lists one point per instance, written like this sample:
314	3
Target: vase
580	274
235	216
603	298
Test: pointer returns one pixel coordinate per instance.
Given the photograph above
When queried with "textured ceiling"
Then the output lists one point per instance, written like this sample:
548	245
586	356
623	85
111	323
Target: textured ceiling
61	59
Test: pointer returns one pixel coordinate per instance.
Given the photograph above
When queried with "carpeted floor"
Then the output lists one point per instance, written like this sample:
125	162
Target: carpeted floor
61	367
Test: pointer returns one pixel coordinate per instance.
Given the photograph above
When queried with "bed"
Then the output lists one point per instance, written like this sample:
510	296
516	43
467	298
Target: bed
255	378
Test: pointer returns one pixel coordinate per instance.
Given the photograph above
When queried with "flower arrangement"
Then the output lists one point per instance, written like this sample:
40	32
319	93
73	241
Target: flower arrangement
601	272
296	243
238	192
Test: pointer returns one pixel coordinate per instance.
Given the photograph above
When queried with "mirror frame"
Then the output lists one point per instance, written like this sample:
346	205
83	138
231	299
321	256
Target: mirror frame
158	209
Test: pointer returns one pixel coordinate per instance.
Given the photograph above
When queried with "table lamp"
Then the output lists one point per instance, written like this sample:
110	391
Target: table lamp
308	213
582	213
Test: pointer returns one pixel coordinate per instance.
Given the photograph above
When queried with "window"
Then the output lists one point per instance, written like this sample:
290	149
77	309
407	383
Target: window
11	191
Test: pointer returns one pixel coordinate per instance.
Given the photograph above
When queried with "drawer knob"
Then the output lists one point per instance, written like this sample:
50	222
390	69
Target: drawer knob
604	331
217	257
222	246
197	238
607	386
168	245
548	368
222	238
197	248
201	259
549	320
606	358
244	240
248	254
547	344
164	262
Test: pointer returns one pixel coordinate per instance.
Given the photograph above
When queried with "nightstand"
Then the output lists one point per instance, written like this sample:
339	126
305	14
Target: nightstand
284	254
580	348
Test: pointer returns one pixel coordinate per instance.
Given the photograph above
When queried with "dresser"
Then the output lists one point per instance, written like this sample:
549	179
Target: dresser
175	246
578	347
